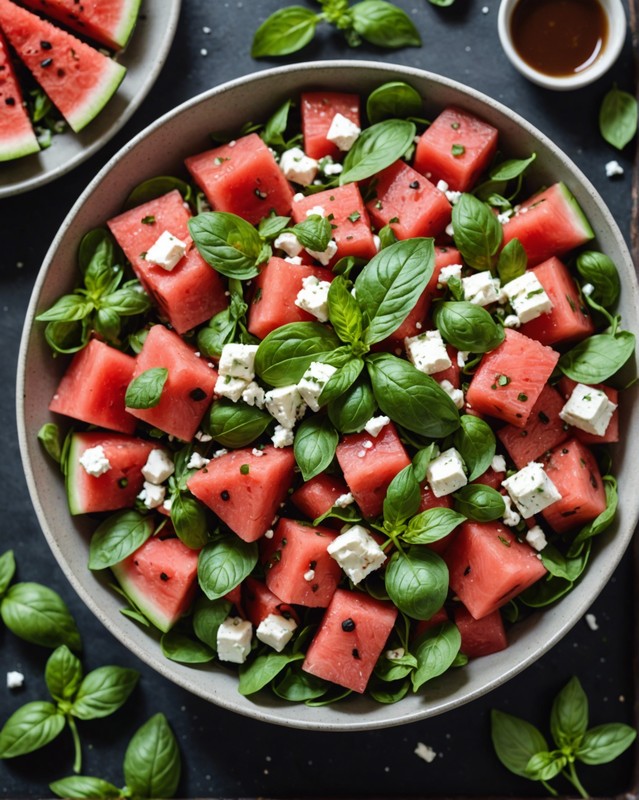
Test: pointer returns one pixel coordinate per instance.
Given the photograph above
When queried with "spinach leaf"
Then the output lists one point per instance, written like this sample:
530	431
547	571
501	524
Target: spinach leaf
236	424
351	410
384	25
152	760
230	244
598	357
117	537
468	327
618	117
224	563
475	442
417	581
285	354
314	445
477	232
435	652
393	100
376	148
286	31
480	503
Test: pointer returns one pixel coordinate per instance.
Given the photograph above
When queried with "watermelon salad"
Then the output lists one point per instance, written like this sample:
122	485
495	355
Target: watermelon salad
340	397
69	80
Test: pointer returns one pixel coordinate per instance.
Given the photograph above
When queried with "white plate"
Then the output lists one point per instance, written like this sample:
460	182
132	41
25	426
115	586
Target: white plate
143	57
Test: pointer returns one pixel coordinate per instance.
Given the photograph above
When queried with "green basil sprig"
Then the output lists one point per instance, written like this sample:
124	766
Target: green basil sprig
376	148
351	410
228	325
600	272
512	261
314	447
117	537
618	117
480	503
468	327
598	357
236	424
224	563
475	441
436	651
285	354
314	233
477	232
417	581
432	525
230	244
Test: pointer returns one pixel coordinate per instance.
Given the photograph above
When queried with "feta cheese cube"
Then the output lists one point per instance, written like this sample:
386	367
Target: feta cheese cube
14	679
197	461
536	538
531	490
276	631
237	361
285	404
159	466
456	395
498	463
343	132
234	640
527	297
253	395
152	495
298	167
613	168
95	461
231	388
375	425
289	243
446	473
511	517
448	272
166	251
325	256
588	409
313	382
344	500
282	437
481	288
357	553
427	352
313	297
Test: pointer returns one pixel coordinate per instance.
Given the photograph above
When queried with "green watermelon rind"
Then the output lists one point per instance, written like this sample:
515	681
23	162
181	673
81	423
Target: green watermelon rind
579	218
76	444
96	99
16	147
141	600
122	32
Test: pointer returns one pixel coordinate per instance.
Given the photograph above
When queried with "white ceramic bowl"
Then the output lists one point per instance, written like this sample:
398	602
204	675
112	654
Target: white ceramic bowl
160	150
616	17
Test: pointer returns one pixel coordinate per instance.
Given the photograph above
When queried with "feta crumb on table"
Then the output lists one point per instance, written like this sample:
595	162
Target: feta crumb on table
14	679
613	168
425	752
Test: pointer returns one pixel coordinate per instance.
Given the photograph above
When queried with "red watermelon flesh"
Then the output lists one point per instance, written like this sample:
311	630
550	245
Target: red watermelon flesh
574	471
189	294
259	602
297	565
188	390
488	566
456	148
480	637
117	488
160	577
315	497
93	388
543	430
510	378
109	22
243	178
347	654
78	79
566	385
424	625
246	501
318	110
17	138
491	478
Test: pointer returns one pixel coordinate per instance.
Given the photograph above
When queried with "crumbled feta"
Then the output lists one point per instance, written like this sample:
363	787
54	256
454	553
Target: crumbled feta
203	437
257	452
282	437
613	168
527	297
498	464
167	505
152	495
442	186
234	640
591	622
219	453
313	382
425	752
343	132
309	575
357	553
95	461
587	289
375	425
325	256
197	461
14	679
316	211
313	297
427	352
393	655
330	168
344	500
285	404
536	538
511	517
456	395
448	272
504	217
512	321
237	361
446	473
297	260
452	197
462	358
481	288
253	395
231	388
276	631
588	409
449	230
531	490
159	466
166	251
289	243
298	167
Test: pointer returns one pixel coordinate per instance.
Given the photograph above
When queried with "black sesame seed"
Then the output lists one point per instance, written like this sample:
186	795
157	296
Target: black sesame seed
348	625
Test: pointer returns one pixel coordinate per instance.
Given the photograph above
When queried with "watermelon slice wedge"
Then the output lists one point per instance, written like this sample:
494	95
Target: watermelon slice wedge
78	79
17	138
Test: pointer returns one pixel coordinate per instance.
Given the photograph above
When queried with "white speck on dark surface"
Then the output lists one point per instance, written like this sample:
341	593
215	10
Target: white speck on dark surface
591	622
425	752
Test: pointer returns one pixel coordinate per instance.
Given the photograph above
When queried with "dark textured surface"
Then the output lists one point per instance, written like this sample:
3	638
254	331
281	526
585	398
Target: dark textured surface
230	756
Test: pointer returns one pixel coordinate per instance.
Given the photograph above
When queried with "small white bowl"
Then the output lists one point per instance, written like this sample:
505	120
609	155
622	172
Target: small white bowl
616	16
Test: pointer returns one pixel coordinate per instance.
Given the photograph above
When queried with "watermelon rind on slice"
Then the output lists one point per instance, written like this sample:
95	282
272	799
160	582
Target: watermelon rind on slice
17	138
579	217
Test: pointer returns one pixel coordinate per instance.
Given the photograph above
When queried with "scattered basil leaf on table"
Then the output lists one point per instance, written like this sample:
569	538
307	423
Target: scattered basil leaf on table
384	24
39	615
618	117
286	31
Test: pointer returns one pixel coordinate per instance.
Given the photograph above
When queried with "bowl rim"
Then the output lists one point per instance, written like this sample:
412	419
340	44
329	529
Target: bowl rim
188	678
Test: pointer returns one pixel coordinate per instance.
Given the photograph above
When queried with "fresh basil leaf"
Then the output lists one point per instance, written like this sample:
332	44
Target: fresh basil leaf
208	615
68	308
63	674
479	502
273	136
567	567
598	357
344	312
511	169
76	787
314	446
422	459
103	691
224	563
600	271
569	715
152	760
107	324
189	520
270	227
477	232
545	592
257	673
393	100
441	3
145	391
96	255
29	728
341	381
314	233
475	442
297	686
156	187
127	301
230	244
384	24
387	693
376	148
409	397
618	117
219	331
351	410
601	522
391	283
394	669
402	500
515	741
117	537
284	354
7	570
417	582
286	31
432	525
179	647
604	743
435	652
545	766
236	424
67	337
39	615
512	262
468	327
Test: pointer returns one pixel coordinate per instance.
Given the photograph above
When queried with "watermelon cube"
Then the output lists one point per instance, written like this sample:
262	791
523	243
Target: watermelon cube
245	490
510	378
160	577
480	637
93	388
408	202
243	178
574	471
369	464
315	497
318	110
568	320
549	224
456	148
488	566
188	390
297	565
276	289
543	430
259	602
16	132
424	625
189	294
345	208
566	385
350	639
